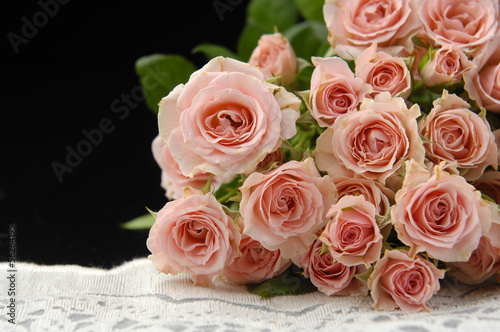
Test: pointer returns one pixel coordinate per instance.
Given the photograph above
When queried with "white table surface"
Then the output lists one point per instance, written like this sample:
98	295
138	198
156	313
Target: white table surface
135	297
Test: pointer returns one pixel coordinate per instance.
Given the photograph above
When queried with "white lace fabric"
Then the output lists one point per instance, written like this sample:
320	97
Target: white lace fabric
135	297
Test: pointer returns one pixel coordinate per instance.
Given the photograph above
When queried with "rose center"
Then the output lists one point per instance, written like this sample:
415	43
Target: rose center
376	13
376	140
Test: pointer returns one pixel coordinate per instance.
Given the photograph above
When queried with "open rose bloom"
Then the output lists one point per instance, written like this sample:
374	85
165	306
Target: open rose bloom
226	118
193	235
362	161
401	281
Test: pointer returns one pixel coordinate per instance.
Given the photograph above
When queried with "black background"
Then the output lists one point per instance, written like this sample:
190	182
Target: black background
63	81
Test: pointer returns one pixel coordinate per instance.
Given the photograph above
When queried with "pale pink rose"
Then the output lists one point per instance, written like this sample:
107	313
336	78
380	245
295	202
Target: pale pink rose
483	263
468	24
401	281
445	65
172	179
459	137
489	184
380	196
328	275
284	207
372	142
275	56
352	233
193	235
334	90
439	213
226	118
256	264
384	72
354	25
483	82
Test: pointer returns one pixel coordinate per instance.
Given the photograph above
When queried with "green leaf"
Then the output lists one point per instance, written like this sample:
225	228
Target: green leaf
229	191
311	9
211	51
159	74
140	223
290	282
308	38
281	14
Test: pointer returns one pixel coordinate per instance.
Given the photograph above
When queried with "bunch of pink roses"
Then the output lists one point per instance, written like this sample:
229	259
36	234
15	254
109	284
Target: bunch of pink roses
376	180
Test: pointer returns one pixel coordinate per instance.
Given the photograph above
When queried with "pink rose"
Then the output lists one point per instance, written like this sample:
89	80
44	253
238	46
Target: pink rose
483	263
439	213
256	264
459	137
275	56
483	82
372	142
193	235
226	118
400	281
352	233
328	275
445	65
468	24
284	207
384	72
489	184
334	90
354	25
380	196
172	179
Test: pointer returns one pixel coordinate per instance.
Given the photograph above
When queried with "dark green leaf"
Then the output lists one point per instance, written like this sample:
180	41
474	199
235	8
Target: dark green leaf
311	9
290	282
159	74
308	38
281	14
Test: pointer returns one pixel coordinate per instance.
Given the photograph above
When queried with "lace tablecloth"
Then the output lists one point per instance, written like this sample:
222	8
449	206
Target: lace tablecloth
135	297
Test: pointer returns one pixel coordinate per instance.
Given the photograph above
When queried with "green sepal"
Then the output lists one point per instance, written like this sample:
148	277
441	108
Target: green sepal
384	220
206	188
365	275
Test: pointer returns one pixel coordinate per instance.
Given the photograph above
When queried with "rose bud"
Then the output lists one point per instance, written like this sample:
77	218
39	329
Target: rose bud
275	56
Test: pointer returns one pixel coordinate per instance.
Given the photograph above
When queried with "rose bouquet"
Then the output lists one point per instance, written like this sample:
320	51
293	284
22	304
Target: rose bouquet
349	145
